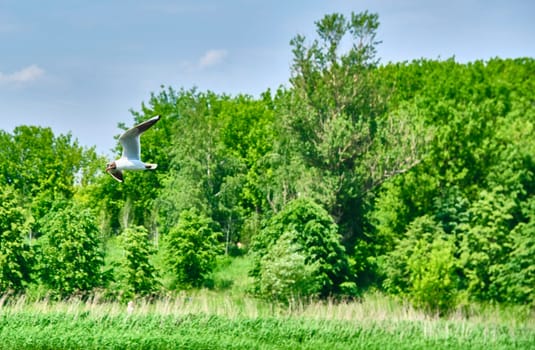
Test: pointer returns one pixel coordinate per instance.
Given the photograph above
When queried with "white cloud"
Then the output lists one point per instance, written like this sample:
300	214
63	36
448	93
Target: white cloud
25	75
211	58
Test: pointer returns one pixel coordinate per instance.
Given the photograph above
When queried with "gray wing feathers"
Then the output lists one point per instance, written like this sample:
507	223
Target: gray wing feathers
130	145
130	139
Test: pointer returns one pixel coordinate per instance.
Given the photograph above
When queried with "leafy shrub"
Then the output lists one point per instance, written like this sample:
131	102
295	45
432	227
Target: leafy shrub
307	226
284	273
423	268
432	275
140	274
192	246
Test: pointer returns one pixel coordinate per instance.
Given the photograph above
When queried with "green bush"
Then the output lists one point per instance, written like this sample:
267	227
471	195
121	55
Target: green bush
284	273
432	279
307	226
192	246
516	278
140	274
423	268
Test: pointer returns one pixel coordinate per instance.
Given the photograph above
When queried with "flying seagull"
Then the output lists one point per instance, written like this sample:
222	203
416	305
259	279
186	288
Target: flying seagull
131	160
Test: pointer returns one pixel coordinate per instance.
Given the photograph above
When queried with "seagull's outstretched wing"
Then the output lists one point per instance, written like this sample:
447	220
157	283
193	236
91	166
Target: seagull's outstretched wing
130	139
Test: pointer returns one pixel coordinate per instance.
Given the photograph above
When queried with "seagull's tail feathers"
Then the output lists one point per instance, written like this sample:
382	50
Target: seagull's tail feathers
150	166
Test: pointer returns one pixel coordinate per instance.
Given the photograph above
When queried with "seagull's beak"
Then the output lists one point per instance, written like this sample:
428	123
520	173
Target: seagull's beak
109	166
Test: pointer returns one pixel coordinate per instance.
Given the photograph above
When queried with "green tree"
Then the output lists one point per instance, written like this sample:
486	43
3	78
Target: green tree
15	253
140	274
71	257
43	167
191	248
198	163
215	166
346	137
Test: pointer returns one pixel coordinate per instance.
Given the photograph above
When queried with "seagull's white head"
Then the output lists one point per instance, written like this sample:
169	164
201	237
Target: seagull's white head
111	166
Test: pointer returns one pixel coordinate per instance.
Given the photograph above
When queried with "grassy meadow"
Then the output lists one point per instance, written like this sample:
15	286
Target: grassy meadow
227	318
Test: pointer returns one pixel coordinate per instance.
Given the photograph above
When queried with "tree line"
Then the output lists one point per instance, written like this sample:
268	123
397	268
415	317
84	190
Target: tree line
414	178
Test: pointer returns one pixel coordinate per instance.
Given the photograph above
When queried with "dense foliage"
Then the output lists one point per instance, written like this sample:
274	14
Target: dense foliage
416	178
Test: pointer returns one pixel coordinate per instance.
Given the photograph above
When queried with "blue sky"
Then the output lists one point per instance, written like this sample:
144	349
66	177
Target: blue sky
80	66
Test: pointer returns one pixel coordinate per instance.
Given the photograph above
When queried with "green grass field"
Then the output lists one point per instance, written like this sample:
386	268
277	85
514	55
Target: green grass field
210	320
227	318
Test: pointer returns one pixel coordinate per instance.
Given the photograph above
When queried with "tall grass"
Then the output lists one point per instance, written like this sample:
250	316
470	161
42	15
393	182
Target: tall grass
374	307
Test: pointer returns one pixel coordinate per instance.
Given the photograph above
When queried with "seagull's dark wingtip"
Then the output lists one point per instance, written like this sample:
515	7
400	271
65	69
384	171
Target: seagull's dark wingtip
147	124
